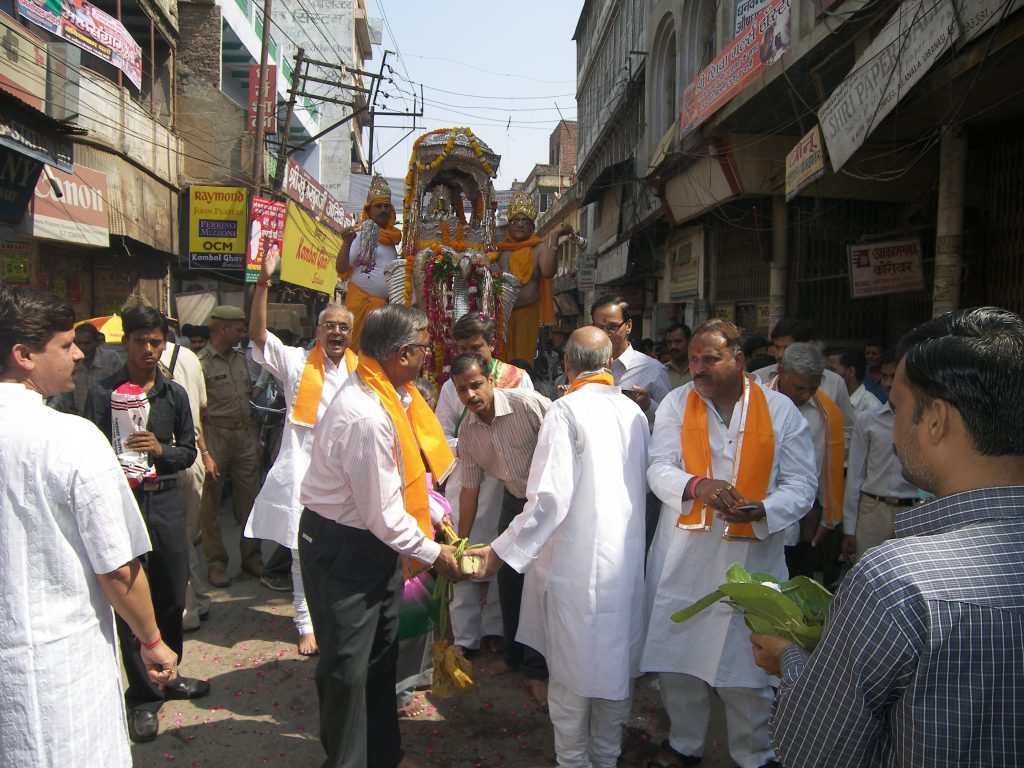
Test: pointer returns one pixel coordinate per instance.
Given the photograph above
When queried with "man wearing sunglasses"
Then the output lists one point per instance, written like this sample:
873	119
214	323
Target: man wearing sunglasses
311	379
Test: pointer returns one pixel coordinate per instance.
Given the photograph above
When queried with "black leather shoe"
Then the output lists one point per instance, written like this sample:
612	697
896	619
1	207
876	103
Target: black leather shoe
142	725
186	688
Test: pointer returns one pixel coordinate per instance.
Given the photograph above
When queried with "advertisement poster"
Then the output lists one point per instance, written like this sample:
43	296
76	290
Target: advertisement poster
805	163
755	49
308	252
217	221
893	266
91	29
78	216
266	229
15	256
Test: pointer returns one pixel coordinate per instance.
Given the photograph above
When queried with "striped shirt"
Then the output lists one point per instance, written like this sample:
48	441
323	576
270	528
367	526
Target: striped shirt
503	448
922	659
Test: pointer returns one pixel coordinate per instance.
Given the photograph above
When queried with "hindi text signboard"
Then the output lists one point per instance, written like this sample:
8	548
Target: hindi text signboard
804	163
892	266
308	252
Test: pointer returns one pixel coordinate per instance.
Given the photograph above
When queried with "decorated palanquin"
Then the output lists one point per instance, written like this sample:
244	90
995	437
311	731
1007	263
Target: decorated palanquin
451	264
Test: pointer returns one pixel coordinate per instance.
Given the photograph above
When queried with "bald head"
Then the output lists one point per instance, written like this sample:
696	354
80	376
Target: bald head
588	349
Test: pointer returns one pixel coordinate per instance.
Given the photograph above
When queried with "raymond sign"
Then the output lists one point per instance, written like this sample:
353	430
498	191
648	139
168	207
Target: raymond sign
266	228
755	49
893	266
269	98
217	219
804	163
308	252
79	216
91	29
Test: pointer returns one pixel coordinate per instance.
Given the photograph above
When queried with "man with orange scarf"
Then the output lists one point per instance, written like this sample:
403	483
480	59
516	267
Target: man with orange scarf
580	541
733	465
311	380
366	252
366	504
814	543
532	261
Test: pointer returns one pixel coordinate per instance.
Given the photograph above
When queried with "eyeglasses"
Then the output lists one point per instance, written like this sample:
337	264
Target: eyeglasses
609	327
340	327
425	347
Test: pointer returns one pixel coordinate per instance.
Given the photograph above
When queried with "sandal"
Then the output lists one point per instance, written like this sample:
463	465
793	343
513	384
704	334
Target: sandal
670	758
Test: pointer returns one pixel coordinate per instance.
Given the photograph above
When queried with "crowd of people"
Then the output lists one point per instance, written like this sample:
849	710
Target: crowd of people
894	476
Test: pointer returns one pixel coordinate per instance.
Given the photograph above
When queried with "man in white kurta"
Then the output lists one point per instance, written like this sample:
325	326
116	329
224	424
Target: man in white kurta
277	509
711	650
580	541
68	525
470	620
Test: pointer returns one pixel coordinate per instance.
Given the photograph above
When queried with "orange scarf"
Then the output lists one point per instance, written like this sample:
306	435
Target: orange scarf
831	479
520	264
418	431
599	377
311	386
757	455
389	235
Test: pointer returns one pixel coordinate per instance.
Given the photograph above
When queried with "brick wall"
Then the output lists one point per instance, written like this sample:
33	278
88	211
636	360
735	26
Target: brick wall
199	51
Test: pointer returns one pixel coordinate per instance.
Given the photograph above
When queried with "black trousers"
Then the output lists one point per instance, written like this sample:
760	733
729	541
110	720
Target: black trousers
167	570
353	587
510	596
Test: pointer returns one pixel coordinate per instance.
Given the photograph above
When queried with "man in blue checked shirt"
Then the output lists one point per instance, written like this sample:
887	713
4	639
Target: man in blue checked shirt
922	658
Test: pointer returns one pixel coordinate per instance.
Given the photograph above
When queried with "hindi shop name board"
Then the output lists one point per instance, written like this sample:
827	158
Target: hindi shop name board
308	252
79	215
269	98
314	197
217	222
909	44
805	163
744	60
892	266
86	26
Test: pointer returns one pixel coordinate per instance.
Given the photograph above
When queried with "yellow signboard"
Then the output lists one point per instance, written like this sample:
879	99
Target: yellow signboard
217	222
308	252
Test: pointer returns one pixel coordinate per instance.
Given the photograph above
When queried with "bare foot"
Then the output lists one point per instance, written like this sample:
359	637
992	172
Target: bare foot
499	668
412	710
494	644
538	690
411	761
307	645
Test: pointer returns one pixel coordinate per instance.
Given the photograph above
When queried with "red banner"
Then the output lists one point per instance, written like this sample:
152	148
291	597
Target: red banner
744	60
269	98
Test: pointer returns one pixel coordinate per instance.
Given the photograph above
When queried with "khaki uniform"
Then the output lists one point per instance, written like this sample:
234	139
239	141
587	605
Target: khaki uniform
228	431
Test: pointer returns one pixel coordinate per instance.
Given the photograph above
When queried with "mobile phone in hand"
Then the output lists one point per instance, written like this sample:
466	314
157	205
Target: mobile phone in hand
632	394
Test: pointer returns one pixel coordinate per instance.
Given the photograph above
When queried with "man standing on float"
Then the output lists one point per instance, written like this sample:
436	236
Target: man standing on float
532	261
366	251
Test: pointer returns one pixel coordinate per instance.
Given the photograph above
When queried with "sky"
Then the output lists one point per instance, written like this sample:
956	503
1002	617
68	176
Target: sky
508	73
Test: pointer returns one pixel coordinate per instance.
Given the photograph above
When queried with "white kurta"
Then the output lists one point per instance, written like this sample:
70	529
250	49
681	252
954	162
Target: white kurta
66	514
488	507
277	509
684	566
372	282
580	541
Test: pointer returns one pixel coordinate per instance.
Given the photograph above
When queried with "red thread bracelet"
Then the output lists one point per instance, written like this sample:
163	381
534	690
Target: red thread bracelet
151	646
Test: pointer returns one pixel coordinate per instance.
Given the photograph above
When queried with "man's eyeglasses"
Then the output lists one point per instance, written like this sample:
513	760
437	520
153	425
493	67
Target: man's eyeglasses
425	347
339	327
609	327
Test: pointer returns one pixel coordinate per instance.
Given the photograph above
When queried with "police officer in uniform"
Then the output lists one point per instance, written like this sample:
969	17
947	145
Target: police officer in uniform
230	443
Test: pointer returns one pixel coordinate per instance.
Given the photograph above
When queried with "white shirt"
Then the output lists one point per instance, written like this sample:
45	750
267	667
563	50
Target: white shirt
684	566
66	514
276	511
372	282
580	541
355	475
832	384
874	466
635	369
863	401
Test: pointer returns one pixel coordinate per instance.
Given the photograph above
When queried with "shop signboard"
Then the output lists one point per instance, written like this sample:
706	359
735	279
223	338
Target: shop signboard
805	163
269	98
684	264
586	271
314	197
217	220
266	228
308	252
979	16
18	175
22	63
741	63
746	12
83	24
79	215
892	266
917	34
37	144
